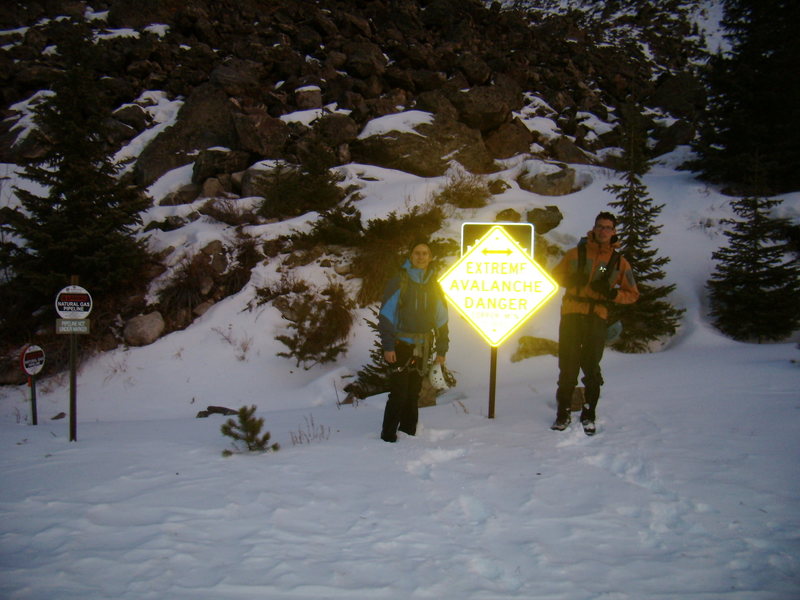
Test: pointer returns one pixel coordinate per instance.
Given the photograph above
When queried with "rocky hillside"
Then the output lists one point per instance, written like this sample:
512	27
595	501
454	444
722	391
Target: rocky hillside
479	71
240	65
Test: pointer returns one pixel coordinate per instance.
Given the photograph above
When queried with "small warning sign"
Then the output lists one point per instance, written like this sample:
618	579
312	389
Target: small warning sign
73	302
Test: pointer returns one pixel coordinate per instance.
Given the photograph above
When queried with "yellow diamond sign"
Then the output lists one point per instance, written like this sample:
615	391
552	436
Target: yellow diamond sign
497	286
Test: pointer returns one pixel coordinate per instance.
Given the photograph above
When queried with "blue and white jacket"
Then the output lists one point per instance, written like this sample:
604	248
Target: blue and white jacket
413	303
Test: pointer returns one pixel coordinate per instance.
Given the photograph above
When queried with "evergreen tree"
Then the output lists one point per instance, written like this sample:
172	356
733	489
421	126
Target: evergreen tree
754	99
83	225
651	317
372	378
755	287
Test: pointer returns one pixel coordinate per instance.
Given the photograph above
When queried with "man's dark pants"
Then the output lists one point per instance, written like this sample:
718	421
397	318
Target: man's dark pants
581	341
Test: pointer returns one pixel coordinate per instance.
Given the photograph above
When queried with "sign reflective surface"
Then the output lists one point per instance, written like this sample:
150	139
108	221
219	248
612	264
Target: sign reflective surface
496	286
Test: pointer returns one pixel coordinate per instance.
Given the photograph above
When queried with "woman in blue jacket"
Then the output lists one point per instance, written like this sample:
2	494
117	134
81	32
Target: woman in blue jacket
412	322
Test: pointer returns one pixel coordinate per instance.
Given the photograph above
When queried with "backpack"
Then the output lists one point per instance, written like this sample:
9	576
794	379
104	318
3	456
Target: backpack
423	295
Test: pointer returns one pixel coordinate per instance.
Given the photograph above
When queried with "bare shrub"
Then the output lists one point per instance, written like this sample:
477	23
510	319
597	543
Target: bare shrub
310	433
274	246
464	190
241	345
247	256
187	287
288	284
227	211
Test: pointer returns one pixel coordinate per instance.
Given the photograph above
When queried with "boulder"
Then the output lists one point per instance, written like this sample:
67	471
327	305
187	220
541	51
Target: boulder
558	183
365	59
509	140
534	346
483	108
308	97
186	194
426	153
474	69
144	329
545	219
565	150
237	77
260	133
117	132
336	129
436	102
214	161
132	115
427	80
204	121
202	308
260	176
142	12
215	251
212	188
678	134
509	215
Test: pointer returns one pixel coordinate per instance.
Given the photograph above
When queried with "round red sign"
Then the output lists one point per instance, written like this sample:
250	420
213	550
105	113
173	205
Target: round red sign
32	359
73	302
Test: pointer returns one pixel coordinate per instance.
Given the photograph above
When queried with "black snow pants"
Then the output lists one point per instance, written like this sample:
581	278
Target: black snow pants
402	407
581	341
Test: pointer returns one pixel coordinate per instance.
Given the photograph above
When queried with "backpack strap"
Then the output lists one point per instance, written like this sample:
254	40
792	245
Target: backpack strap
581	255
612	264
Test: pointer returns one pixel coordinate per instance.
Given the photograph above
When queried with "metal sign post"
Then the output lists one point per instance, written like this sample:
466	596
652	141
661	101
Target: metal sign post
32	361
73	305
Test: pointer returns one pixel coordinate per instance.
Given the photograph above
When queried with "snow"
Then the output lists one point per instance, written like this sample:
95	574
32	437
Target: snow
689	490
163	113
405	122
309	116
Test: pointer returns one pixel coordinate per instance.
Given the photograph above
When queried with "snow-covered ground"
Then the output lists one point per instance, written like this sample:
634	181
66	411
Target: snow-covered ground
689	491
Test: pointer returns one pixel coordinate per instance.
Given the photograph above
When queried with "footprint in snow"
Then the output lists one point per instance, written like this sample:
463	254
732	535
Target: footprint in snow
422	466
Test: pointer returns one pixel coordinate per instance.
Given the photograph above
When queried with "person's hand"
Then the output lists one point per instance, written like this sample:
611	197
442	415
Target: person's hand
390	356
602	287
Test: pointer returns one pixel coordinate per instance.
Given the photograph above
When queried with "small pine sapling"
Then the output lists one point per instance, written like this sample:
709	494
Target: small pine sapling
372	378
247	434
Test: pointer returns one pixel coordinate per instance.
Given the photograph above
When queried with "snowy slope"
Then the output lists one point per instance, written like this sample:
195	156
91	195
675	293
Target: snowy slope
689	490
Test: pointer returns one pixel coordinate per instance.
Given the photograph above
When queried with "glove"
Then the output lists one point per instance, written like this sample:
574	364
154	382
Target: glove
602	287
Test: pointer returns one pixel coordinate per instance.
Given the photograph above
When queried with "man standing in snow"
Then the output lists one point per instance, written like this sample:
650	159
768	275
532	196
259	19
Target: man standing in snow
595	276
411	322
